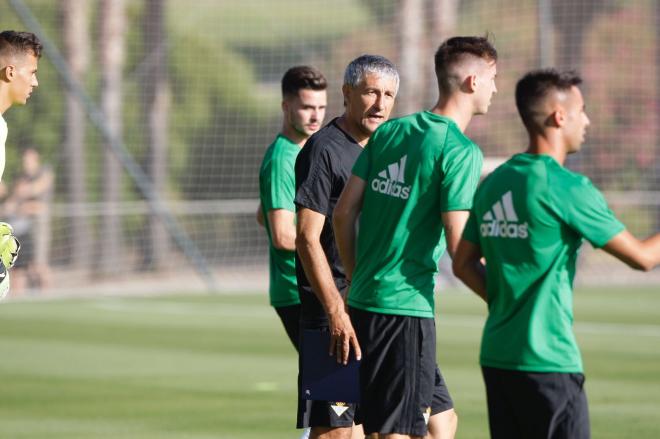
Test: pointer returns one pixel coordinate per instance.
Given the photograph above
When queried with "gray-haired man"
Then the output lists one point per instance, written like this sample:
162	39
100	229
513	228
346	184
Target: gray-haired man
322	169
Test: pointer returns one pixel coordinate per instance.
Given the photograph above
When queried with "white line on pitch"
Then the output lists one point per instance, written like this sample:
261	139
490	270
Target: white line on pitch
463	320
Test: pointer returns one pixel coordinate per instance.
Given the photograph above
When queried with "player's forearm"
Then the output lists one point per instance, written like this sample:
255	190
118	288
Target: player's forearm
651	252
640	255
473	274
319	274
284	238
467	266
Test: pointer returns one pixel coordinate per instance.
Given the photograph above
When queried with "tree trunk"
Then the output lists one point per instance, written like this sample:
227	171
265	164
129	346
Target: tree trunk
410	66
444	16
75	15
112	22
156	113
572	21
655	180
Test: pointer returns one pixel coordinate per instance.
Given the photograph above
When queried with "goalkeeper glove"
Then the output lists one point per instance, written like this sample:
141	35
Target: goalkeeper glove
9	245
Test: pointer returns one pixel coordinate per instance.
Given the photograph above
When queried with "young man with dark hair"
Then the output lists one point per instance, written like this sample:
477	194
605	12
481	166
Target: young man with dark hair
304	100
322	168
19	56
528	221
413	183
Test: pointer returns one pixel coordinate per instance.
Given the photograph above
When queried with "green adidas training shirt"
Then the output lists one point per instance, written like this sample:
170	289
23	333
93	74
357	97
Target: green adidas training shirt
529	218
415	168
277	189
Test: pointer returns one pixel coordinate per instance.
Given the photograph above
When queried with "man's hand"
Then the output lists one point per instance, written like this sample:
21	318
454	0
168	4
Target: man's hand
342	336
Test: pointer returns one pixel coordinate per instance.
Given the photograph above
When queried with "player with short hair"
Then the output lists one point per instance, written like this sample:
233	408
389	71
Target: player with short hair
528	221
412	185
322	169
304	100
19	56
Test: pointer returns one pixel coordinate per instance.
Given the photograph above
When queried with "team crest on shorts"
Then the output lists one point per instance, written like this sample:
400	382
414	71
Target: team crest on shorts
427	415
339	408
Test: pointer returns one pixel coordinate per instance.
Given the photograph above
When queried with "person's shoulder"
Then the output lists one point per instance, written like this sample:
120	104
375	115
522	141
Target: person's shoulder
559	176
319	148
395	122
280	150
269	152
456	142
327	135
319	142
283	148
329	141
455	137
567	186
411	122
426	122
498	174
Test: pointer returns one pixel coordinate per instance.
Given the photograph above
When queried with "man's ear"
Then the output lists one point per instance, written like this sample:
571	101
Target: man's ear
469	84
7	73
346	92
285	105
558	117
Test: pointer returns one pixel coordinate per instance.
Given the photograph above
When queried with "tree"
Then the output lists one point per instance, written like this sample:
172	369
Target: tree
410	43
572	20
76	36
156	114
417	47
444	16
112	22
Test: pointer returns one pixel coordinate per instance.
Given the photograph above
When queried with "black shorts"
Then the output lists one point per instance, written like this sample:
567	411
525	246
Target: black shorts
400	383
332	414
290	317
536	405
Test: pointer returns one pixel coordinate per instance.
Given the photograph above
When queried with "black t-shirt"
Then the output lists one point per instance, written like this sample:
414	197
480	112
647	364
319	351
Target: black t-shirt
323	167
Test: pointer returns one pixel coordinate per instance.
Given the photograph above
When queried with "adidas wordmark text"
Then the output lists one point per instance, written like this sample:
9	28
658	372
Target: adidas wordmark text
501	221
393	185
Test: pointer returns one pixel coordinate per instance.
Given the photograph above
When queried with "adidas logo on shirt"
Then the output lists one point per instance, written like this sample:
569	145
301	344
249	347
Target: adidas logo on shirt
390	181
501	221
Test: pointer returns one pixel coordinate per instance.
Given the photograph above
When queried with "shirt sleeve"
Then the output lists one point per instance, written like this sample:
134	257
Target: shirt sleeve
588	213
471	231
280	183
461	169
314	178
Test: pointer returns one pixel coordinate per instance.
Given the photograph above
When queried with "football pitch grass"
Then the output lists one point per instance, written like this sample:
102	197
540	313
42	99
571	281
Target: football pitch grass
221	367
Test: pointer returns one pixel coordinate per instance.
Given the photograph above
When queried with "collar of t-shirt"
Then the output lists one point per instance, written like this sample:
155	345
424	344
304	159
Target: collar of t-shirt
336	124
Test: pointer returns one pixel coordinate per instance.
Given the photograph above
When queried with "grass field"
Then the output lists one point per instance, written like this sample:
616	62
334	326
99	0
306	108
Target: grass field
220	367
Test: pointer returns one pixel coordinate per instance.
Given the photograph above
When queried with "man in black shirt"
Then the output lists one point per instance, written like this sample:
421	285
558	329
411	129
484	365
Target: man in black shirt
322	169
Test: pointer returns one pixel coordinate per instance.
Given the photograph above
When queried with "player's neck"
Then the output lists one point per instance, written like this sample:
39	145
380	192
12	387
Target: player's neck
544	144
456	110
5	101
293	135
